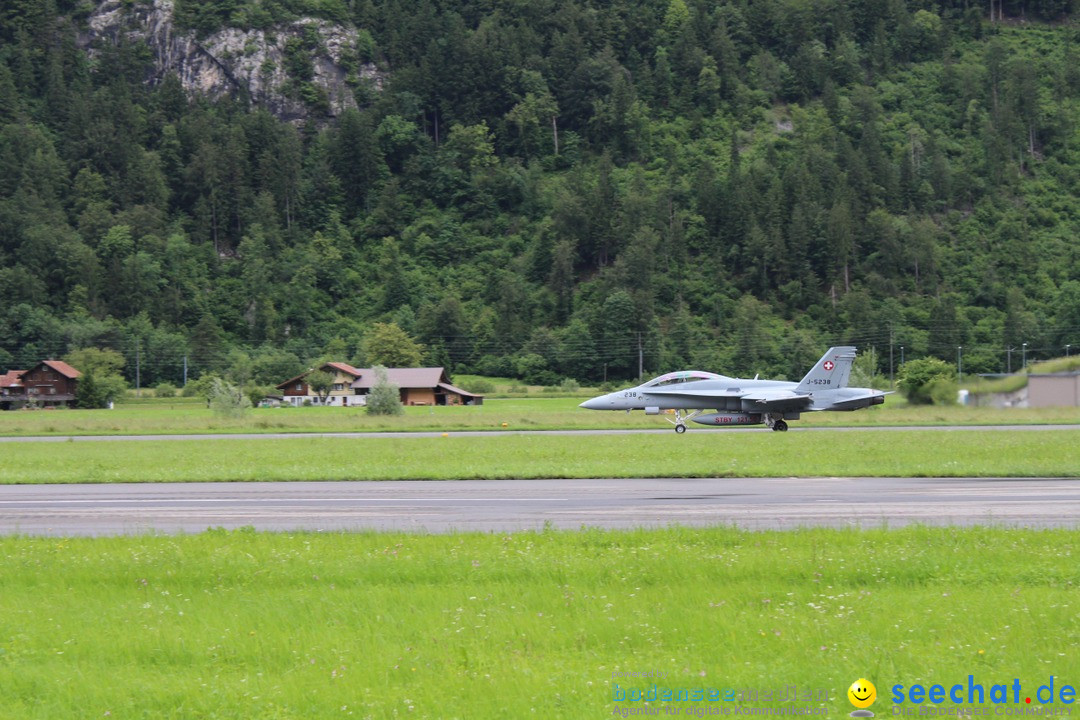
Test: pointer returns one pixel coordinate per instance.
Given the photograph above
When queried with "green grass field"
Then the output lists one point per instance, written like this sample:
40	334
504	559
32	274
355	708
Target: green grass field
700	454
185	416
250	625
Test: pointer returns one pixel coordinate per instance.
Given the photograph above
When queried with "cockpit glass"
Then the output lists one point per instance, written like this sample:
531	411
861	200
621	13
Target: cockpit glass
675	381
680	378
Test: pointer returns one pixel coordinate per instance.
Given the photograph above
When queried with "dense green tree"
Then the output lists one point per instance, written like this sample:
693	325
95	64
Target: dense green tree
99	361
545	187
321	383
389	345
357	159
923	380
87	394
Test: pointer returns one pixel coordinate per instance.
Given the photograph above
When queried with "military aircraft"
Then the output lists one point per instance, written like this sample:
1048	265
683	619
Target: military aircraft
736	401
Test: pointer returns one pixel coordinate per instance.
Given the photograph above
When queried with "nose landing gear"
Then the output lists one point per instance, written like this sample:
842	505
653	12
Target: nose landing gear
680	422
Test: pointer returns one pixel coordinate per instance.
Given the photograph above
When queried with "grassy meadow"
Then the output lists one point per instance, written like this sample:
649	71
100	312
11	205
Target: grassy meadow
695	454
252	625
184	415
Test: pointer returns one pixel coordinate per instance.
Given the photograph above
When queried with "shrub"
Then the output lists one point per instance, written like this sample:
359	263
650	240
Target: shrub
917	380
257	393
942	391
570	385
200	387
228	400
385	396
165	390
479	386
544	377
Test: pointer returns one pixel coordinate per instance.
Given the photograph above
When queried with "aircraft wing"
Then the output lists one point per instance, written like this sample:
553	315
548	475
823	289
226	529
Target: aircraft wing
778	400
870	397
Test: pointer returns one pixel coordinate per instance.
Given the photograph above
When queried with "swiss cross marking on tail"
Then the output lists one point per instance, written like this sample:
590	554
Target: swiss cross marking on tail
828	365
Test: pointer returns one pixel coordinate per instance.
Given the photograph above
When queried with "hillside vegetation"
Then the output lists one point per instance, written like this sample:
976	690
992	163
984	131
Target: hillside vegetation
544	189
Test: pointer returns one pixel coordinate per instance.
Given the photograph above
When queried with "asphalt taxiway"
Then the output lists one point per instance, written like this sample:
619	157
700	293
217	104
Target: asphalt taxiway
508	433
508	505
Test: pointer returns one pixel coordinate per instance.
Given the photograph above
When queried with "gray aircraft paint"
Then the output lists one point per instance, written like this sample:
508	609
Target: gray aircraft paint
739	401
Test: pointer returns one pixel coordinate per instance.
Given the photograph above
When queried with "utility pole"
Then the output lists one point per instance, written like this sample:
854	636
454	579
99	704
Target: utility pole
901	356
891	383
1024	345
185	371
138	386
640	357
1067	346
960	363
1008	357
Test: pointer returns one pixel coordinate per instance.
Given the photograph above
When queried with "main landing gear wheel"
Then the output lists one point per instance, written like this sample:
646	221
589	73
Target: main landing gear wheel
680	428
780	426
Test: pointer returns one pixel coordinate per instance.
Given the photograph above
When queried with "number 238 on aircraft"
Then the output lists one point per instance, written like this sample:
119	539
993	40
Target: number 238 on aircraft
738	401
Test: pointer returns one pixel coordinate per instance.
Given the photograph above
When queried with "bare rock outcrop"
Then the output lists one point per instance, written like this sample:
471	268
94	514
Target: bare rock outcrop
306	69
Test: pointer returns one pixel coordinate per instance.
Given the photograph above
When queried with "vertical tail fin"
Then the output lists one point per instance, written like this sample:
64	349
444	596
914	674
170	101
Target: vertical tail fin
831	372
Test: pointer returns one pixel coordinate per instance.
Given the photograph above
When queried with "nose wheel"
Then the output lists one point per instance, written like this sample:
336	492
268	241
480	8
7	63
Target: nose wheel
680	420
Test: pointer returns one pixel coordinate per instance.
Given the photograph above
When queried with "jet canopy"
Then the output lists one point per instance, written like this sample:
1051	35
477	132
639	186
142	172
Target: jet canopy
682	377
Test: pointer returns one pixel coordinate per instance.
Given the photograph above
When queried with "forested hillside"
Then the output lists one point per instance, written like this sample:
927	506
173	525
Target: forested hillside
542	187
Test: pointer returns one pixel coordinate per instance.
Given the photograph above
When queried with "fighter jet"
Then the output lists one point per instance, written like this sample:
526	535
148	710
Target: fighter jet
736	401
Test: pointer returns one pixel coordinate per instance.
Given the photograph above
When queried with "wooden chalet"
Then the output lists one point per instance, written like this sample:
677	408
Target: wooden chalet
11	390
418	386
296	391
50	383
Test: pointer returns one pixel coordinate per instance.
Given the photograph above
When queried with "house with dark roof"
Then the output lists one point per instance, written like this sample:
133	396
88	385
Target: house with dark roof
418	386
50	383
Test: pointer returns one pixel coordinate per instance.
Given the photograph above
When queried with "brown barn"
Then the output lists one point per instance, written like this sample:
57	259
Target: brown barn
419	386
50	383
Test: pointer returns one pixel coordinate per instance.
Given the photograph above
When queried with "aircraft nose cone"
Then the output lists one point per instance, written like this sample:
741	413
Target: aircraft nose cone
593	403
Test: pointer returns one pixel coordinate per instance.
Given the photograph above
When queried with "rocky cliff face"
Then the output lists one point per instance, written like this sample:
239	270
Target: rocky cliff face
298	71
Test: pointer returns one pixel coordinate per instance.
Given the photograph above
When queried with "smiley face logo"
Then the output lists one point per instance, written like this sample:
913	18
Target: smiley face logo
862	695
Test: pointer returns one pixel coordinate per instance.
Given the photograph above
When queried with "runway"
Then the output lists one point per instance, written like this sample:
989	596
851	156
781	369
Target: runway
507	433
513	505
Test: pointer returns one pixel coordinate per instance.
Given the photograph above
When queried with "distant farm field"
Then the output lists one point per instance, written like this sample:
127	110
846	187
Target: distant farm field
701	454
535	413
251	625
